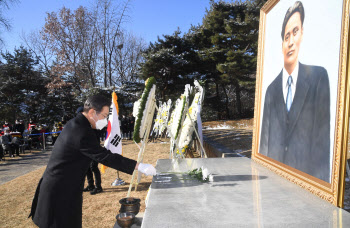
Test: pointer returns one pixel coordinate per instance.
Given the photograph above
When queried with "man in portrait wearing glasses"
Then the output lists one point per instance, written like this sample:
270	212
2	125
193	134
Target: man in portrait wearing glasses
295	128
59	196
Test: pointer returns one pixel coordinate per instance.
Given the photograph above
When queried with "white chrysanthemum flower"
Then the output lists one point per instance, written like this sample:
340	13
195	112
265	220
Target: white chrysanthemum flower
156	125
164	117
205	173
178	114
135	110
189	124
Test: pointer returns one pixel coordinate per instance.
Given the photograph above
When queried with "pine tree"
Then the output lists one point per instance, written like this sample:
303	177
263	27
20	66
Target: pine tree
229	37
170	60
222	51
22	86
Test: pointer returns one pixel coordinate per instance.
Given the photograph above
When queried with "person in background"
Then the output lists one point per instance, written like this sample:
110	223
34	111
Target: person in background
22	126
131	123
7	125
64	120
42	131
15	142
19	126
56	128
123	126
103	134
31	124
15	128
1	151
6	142
34	136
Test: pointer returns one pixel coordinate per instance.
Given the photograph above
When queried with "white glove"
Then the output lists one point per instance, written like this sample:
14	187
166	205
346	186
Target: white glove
147	169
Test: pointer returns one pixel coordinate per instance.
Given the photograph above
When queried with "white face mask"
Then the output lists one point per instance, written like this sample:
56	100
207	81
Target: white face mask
100	123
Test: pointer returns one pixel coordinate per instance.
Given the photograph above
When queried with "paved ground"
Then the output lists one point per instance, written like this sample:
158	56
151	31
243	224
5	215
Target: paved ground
13	168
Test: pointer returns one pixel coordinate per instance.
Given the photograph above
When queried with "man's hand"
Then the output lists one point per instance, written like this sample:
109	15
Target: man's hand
146	169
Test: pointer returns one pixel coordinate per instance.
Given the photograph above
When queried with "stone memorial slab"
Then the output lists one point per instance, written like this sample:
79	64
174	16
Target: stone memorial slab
241	194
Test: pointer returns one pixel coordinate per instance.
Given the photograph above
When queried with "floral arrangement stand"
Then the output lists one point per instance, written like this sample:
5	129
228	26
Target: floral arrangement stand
192	120
172	137
197	135
165	115
177	120
144	112
161	121
157	120
177	137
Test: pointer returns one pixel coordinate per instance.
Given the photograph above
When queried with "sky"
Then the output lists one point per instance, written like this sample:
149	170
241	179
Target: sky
148	18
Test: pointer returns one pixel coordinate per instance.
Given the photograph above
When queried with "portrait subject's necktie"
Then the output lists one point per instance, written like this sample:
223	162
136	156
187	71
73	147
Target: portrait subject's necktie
289	93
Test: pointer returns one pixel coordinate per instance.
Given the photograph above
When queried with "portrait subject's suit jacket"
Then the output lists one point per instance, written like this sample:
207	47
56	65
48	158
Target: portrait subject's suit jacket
299	138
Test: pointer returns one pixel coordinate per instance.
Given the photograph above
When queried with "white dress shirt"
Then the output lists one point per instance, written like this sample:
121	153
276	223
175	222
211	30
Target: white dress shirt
285	76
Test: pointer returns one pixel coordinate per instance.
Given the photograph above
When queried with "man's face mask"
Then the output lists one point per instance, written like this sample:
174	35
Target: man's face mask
100	123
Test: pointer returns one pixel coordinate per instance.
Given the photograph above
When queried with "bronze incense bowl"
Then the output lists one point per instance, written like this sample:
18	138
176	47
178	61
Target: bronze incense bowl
125	220
130	204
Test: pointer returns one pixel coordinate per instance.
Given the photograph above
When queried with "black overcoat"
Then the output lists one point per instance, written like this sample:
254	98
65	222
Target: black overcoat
58	198
299	138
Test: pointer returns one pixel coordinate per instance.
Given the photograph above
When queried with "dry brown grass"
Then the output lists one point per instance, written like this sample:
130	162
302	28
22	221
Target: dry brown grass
98	210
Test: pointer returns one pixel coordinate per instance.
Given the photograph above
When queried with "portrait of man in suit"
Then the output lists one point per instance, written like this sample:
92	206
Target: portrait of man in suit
295	127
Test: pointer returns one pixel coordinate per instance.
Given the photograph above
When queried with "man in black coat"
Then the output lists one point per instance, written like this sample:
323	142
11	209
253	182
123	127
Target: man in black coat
123	126
58	198
1	151
131	123
19	126
296	120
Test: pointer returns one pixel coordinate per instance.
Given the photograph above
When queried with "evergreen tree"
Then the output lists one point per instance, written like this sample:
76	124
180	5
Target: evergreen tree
16	76
222	51
229	38
22	86
171	61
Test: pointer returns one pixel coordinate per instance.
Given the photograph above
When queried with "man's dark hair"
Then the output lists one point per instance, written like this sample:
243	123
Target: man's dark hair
96	102
79	110
297	7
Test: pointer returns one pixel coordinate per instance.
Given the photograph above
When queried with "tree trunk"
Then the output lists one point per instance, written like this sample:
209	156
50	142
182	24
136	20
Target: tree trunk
226	103
105	66
218	101
238	99
110	71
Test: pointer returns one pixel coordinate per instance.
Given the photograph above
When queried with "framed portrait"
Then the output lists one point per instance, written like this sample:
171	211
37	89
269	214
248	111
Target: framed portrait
302	94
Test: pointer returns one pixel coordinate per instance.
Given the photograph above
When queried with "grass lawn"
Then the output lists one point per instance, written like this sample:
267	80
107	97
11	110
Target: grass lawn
98	210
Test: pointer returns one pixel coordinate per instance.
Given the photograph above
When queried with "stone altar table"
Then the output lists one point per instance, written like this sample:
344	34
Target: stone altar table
242	194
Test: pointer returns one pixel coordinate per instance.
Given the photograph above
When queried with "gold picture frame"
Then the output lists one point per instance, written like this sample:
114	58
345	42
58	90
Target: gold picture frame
332	191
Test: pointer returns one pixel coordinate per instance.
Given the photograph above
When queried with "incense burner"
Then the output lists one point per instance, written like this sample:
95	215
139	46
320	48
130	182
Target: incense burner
130	204
125	220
